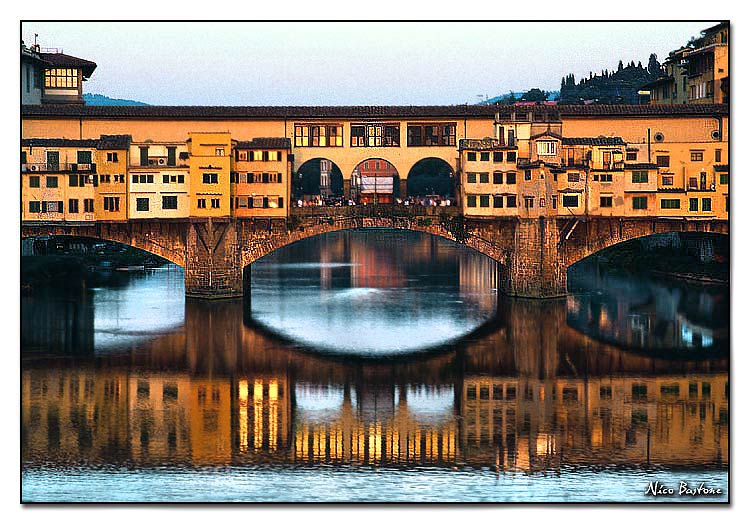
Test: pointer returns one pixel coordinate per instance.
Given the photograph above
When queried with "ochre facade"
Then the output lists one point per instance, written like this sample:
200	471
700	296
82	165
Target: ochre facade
510	161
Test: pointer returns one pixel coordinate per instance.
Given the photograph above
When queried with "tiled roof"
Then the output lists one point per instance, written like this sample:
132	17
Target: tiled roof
546	133
63	60
58	142
721	168
265	143
356	112
593	141
114	142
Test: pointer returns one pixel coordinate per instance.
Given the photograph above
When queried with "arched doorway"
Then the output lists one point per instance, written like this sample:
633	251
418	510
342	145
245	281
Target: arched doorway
375	181
318	177
431	177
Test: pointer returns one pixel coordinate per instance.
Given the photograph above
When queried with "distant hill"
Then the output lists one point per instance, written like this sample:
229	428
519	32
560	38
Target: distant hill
93	99
517	96
610	87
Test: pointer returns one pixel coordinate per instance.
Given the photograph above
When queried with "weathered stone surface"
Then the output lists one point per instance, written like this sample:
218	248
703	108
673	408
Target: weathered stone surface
534	254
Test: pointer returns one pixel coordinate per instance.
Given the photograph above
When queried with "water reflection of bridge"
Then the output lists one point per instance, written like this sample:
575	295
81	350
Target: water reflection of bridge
532	394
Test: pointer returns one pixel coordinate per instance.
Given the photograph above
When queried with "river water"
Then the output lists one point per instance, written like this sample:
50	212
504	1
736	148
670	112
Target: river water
373	366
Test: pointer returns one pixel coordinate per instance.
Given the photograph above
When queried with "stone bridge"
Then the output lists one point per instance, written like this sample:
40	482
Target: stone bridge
533	254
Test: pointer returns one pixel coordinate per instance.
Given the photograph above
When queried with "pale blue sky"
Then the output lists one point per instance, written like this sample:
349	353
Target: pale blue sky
202	63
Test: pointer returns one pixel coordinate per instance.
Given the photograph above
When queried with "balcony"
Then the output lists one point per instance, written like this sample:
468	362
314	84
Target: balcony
57	167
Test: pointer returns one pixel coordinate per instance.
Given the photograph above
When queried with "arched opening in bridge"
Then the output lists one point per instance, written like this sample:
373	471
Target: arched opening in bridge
375	181
661	293
318	178
372	291
431	177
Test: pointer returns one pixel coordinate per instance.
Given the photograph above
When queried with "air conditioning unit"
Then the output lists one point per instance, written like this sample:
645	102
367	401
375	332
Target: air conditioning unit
715	134
152	161
34	168
161	161
83	167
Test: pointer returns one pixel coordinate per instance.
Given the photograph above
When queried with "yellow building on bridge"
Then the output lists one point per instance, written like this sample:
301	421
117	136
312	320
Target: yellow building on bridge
522	161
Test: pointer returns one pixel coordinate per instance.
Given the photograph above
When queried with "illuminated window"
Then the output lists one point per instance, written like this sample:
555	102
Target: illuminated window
316	135
61	78
219	151
546	148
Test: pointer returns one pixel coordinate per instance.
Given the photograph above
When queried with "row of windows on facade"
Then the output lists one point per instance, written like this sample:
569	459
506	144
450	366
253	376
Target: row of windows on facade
77	180
374	135
695	156
82	157
573	201
258	202
510	177
497	156
143	204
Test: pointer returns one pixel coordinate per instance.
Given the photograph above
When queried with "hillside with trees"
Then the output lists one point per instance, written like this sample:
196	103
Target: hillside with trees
610	87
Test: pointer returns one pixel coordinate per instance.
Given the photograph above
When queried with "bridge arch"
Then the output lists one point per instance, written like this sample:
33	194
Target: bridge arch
431	176
319	177
375	181
579	240
165	239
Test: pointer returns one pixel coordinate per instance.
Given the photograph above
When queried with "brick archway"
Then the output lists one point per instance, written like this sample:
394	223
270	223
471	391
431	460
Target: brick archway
166	239
583	239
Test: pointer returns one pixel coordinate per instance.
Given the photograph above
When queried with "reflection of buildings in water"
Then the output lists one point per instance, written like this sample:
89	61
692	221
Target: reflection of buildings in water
633	325
63	325
374	268
522	424
476	275
377	427
109	416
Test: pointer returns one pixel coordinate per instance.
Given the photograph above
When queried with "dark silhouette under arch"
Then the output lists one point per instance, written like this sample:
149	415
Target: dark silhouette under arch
431	176
308	179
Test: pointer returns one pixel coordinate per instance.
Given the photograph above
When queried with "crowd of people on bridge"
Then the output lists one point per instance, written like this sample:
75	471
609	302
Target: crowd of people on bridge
428	201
